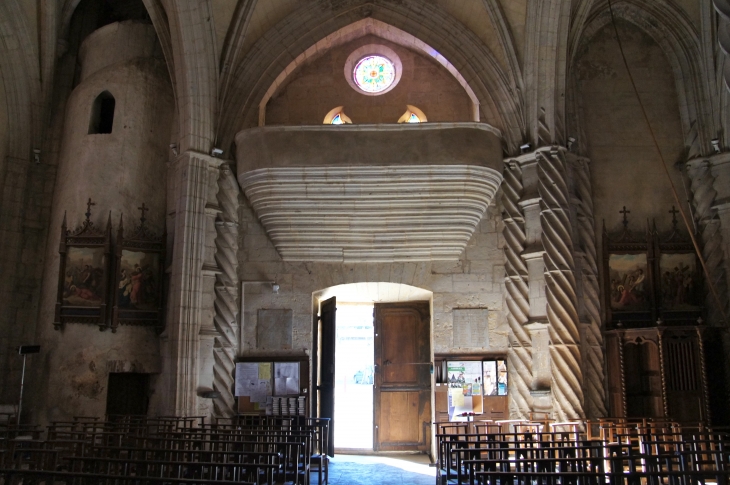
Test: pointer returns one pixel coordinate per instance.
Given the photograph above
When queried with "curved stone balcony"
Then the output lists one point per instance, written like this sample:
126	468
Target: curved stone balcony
370	193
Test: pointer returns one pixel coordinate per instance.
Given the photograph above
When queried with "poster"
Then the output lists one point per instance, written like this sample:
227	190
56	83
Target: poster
495	377
286	378
465	386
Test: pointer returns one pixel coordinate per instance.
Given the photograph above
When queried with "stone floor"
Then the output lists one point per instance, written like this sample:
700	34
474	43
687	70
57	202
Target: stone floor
380	470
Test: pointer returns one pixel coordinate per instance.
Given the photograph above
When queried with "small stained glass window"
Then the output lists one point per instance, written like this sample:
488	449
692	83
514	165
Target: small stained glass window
337	120
413	118
374	74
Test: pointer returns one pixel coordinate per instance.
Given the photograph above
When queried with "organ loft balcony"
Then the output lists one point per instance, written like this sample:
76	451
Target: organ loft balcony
370	193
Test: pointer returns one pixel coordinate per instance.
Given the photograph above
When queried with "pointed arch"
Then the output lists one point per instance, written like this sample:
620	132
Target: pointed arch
674	33
353	31
258	70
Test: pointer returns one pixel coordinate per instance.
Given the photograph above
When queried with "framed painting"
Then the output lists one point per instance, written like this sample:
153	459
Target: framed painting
138	281
628	282
85	261
680	282
628	277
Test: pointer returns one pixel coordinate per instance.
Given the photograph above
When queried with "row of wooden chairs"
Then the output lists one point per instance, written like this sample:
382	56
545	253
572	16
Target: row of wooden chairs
256	450
618	452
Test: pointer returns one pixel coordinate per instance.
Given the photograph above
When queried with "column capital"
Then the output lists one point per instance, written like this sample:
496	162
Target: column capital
212	161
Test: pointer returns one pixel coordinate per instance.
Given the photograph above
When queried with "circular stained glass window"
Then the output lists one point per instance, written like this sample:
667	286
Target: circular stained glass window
374	74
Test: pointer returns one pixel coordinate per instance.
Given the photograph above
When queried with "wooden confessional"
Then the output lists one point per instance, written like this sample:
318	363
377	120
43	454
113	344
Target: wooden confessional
657	346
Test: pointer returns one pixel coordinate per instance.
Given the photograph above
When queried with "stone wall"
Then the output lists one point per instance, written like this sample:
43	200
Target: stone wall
625	168
476	280
320	86
119	171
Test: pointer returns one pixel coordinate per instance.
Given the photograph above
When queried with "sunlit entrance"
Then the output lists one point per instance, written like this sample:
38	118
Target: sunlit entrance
372	349
354	376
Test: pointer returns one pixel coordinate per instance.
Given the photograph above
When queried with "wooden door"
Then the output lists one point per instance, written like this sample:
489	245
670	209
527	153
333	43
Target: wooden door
127	394
402	391
326	381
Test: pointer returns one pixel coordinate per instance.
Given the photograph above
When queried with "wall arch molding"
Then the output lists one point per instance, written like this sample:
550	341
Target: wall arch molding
500	104
360	28
679	40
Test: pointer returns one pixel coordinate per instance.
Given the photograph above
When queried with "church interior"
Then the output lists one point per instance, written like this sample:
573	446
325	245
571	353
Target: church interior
382	224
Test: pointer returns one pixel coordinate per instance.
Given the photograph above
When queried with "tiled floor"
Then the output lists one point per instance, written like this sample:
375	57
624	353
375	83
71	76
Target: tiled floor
380	470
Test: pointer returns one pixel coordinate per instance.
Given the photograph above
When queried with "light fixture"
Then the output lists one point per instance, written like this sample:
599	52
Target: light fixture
275	287
37	155
173	147
571	142
524	148
716	145
216	152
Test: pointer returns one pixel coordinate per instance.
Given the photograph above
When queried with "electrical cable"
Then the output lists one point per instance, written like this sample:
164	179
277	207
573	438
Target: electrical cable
666	171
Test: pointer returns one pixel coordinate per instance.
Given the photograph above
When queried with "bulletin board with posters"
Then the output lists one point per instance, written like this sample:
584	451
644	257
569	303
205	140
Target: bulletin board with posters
260	378
473	387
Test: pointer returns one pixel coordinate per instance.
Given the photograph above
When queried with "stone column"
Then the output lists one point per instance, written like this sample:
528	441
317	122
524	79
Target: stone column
589	307
721	183
707	214
545	336
225	347
519	355
562	314
192	277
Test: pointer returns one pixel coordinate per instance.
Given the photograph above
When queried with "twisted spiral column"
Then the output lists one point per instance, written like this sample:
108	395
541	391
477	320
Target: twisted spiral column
226	293
593	357
703	198
557	239
519	356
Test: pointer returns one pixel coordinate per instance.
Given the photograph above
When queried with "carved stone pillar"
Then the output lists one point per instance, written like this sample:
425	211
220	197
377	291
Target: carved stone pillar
704	200
225	346
192	277
562	314
589	308
544	327
519	356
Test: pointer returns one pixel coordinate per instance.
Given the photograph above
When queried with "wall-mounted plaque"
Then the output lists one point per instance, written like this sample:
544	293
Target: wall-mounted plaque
140	258
83	274
470	329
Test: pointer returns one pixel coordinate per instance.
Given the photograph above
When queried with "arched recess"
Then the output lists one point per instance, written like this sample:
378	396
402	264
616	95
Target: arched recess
680	41
501	105
358	29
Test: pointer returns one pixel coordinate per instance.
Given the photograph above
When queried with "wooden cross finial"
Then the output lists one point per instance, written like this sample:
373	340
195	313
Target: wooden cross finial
626	220
674	212
143	209
88	209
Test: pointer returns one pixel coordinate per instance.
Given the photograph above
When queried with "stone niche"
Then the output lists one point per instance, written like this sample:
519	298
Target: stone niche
370	193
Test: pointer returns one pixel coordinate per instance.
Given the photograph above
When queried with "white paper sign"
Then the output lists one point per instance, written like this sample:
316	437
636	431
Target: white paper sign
247	378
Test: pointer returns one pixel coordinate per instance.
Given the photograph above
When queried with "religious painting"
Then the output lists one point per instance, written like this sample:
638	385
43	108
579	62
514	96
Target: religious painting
628	284
679	281
83	280
137	288
83	274
138	280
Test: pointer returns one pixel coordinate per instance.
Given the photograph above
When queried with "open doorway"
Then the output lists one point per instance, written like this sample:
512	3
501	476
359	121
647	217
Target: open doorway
354	376
371	366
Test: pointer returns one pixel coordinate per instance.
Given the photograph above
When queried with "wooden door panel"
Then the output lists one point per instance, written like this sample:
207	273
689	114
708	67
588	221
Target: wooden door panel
400	348
399	417
402	391
326	380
